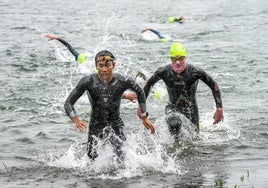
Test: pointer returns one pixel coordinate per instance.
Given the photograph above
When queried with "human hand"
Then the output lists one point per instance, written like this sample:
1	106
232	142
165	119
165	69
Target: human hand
51	36
130	96
181	19
79	125
148	124
218	116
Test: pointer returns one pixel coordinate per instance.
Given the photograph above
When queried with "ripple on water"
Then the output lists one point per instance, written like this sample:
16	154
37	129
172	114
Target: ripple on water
25	140
16	132
64	140
41	135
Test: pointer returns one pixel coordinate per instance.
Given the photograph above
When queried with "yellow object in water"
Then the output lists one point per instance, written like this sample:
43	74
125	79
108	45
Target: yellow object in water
171	19
157	95
163	40
82	58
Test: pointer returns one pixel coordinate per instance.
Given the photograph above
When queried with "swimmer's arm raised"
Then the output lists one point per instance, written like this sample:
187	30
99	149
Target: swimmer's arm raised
51	36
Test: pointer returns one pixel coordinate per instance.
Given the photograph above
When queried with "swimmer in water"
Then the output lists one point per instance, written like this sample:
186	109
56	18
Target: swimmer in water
157	33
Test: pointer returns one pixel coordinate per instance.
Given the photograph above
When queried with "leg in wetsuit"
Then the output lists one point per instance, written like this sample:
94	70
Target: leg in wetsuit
113	133
174	119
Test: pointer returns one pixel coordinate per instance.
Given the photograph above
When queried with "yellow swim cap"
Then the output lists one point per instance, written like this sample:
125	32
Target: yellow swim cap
177	49
171	19
82	58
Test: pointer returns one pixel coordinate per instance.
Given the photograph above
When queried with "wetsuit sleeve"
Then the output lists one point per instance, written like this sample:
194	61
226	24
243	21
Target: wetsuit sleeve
140	94
151	81
75	94
213	86
70	48
157	33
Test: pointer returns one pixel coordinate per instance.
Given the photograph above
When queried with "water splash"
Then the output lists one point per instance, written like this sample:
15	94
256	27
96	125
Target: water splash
150	36
219	133
144	154
61	54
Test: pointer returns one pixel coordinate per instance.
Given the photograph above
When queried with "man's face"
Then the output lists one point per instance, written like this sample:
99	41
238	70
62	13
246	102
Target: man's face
178	63
105	69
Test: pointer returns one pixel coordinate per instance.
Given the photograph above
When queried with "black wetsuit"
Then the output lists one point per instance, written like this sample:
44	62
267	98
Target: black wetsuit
157	33
181	88
70	48
105	99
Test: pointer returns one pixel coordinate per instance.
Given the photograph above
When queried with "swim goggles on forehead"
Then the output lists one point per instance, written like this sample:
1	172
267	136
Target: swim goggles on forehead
104	58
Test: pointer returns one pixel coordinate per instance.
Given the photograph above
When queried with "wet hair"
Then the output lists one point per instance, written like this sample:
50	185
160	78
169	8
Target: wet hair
104	53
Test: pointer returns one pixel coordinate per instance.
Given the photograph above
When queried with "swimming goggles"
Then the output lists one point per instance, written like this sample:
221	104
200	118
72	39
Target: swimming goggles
174	59
104	58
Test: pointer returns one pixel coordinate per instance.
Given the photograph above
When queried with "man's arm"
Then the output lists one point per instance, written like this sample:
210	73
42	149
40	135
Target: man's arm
141	112
150	82
159	35
75	94
70	48
207	79
140	95
81	58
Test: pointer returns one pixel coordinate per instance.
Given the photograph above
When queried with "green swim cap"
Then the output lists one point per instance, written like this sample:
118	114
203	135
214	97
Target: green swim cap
81	58
171	19
177	49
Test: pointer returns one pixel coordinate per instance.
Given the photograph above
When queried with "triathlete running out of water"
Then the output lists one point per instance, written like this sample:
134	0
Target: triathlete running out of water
181	81
81	58
105	90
